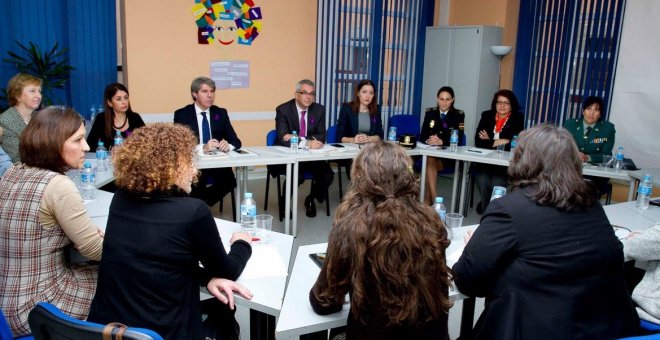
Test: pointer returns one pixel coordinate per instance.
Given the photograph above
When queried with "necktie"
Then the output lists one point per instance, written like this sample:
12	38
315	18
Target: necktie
587	131
206	132
303	124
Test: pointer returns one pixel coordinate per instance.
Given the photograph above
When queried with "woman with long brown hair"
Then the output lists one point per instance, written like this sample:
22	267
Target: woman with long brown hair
359	120
545	257
387	250
117	115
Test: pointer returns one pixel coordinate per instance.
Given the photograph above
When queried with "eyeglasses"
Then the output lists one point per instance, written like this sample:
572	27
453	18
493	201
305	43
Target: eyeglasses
303	93
503	103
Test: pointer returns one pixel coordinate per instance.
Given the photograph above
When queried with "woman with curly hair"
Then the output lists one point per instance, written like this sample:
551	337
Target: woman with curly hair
387	250
156	236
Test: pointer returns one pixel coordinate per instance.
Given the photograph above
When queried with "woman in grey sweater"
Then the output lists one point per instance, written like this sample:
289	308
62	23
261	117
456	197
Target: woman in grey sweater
645	246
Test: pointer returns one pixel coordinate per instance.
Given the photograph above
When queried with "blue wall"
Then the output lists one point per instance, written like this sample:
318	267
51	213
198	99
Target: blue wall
86	27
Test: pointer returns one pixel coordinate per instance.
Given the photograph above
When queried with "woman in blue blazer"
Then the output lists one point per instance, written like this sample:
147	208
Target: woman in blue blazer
359	120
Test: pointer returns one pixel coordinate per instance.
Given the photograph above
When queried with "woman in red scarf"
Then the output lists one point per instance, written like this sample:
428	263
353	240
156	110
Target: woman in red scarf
496	127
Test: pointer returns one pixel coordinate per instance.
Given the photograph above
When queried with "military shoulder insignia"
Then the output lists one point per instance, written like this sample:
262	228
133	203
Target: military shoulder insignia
460	112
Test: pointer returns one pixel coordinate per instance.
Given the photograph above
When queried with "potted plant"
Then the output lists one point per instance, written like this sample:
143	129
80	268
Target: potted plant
52	67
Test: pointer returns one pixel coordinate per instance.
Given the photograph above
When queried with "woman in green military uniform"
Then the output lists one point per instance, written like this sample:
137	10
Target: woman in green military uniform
594	137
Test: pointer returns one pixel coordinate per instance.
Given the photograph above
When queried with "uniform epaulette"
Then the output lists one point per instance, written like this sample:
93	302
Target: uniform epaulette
460	112
431	109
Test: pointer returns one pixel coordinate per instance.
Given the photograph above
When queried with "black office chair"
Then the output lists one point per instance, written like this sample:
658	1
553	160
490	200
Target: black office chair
277	171
331	137
47	322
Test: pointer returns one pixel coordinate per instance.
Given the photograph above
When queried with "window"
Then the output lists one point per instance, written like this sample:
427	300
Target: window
369	39
566	51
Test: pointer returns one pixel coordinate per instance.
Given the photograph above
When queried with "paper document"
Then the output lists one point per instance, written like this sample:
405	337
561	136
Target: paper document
454	256
265	262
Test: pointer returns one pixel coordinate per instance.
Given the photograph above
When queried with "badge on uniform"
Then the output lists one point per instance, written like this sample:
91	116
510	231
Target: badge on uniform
432	124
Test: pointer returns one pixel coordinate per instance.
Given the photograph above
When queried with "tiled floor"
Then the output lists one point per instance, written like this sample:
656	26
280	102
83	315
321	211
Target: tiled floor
316	230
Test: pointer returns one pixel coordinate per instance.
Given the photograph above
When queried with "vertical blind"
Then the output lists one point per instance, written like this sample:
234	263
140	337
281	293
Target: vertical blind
381	40
566	51
86	28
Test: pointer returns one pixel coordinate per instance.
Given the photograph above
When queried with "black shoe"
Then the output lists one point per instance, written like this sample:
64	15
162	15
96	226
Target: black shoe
480	209
310	207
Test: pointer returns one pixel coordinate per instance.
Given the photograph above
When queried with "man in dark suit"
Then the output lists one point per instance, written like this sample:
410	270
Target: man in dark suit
303	115
213	129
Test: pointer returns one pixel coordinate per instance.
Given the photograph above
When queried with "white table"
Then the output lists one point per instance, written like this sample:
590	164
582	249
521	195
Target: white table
260	155
99	206
297	316
627	215
487	156
639	175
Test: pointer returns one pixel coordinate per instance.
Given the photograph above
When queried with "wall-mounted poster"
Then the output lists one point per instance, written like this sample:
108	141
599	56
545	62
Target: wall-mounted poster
231	74
227	21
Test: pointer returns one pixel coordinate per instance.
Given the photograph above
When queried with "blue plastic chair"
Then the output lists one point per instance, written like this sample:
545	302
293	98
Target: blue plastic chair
5	331
405	125
47	322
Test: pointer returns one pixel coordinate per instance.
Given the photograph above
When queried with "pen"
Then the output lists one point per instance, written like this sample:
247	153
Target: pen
475	151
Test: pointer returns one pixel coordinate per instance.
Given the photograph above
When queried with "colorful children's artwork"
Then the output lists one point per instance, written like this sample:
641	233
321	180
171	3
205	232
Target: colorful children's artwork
227	21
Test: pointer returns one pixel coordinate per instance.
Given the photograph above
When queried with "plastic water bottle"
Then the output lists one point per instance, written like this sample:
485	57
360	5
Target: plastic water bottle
439	207
92	114
101	157
119	140
294	143
644	192
391	135
497	193
514	143
248	213
618	163
87	178
453	141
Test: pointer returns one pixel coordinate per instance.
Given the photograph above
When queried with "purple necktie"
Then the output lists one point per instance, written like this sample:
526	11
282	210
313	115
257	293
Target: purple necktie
303	124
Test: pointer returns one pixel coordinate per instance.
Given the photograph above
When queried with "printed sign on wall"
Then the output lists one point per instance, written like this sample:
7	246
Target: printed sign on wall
227	21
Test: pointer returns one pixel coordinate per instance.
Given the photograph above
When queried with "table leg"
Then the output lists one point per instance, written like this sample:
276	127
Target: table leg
422	184
287	201
454	187
239	192
262	325
294	200
467	317
466	165
631	188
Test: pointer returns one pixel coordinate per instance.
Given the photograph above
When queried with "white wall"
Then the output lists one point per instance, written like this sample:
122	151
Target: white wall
635	109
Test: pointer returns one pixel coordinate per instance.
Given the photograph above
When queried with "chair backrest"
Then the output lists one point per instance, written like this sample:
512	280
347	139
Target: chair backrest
331	135
405	125
463	140
48	322
270	137
5	331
